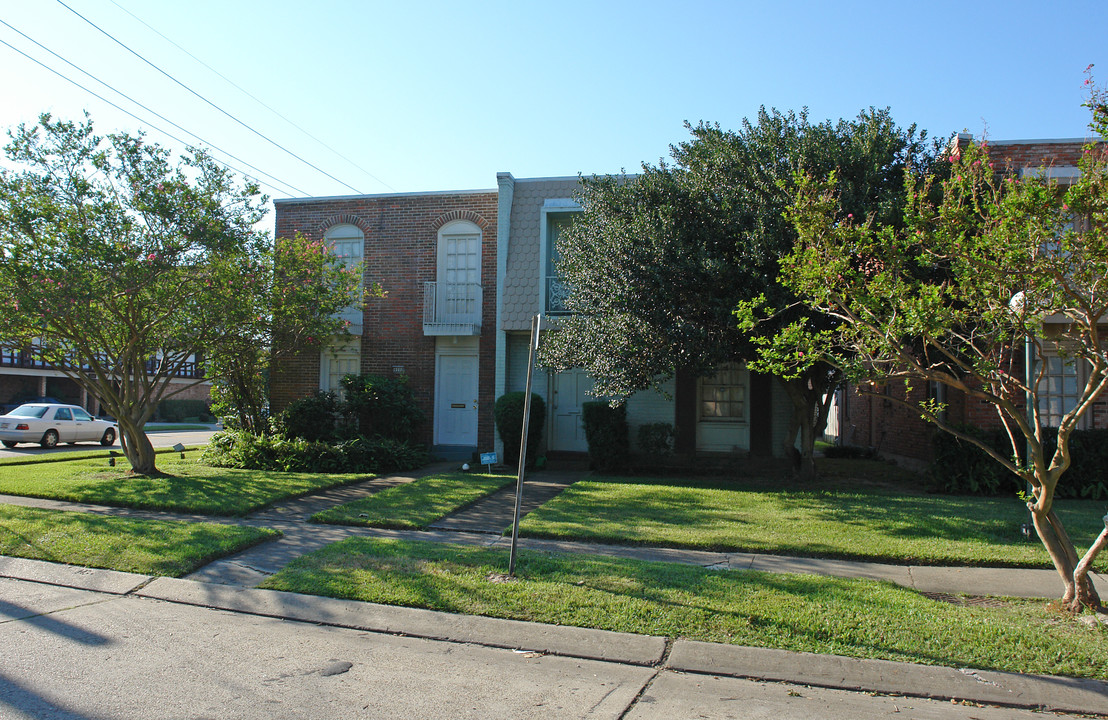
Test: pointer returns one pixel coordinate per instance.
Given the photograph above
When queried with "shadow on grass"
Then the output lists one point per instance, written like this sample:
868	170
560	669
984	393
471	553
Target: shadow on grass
152	547
858	618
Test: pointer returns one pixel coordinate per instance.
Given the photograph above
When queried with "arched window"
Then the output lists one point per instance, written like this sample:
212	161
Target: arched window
348	243
336	361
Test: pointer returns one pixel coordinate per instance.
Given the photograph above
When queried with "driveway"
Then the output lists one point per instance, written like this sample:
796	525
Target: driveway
160	439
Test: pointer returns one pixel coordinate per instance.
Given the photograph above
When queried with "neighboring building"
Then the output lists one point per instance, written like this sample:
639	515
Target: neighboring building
895	430
23	376
735	412
434	254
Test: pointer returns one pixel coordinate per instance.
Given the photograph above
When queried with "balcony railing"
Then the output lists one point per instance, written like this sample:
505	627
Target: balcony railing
452	308
24	360
556	293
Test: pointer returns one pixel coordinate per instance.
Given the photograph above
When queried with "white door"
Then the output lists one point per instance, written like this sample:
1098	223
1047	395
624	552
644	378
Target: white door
569	390
456	405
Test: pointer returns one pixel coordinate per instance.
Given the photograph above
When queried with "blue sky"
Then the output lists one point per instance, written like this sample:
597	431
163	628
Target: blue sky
420	96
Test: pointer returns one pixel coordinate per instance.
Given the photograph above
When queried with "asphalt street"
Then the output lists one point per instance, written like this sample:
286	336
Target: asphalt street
74	654
160	439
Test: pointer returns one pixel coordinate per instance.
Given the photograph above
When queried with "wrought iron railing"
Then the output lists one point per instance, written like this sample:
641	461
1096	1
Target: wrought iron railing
556	294
452	308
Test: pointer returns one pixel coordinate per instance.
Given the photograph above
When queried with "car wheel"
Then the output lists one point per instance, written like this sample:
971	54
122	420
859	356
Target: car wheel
49	439
9	443
109	438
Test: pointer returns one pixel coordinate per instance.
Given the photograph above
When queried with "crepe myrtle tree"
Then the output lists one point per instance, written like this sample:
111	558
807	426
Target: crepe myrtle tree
656	263
954	296
301	290
121	266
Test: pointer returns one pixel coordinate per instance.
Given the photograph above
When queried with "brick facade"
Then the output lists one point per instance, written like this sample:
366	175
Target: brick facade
400	254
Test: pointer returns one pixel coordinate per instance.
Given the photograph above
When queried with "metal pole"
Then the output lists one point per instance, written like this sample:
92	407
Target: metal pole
1032	420
536	323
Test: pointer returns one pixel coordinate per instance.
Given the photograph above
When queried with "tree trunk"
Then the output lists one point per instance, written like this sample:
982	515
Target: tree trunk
1078	590
810	407
137	447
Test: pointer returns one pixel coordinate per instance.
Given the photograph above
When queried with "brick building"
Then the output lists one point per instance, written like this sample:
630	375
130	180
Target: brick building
434	255
875	420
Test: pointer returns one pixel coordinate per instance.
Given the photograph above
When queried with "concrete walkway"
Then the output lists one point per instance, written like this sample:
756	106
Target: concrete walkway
228	584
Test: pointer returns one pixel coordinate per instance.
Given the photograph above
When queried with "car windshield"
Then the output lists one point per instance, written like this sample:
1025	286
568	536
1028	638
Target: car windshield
35	411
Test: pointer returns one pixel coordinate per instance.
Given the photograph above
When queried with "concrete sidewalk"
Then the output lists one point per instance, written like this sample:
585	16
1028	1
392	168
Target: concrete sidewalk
872	676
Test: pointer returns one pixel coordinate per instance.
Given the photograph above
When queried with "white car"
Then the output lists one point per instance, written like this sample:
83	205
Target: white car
49	424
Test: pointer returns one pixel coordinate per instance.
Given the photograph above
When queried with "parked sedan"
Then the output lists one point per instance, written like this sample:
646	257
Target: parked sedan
51	423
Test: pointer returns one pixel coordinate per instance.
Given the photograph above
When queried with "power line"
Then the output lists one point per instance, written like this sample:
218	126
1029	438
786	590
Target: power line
248	94
209	102
141	120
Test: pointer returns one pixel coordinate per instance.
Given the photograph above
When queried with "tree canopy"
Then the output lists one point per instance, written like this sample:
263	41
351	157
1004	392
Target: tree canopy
122	267
657	263
953	295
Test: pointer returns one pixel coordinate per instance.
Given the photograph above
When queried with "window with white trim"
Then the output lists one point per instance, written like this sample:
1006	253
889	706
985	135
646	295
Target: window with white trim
348	244
557	215
1059	389
723	395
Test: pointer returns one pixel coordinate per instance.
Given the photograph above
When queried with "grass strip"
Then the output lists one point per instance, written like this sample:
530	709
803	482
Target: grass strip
102	454
852	617
150	547
185	486
416	504
858	525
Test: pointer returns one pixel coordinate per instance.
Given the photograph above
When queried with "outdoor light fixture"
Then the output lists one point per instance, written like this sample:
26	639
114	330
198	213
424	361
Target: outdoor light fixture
112	454
181	449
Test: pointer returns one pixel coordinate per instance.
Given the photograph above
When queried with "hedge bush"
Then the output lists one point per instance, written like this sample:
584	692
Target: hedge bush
236	449
656	439
850	452
508	415
960	467
312	418
382	406
178	410
607	434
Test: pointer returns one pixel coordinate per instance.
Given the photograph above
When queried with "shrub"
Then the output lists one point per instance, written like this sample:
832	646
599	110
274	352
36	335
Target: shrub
179	410
606	432
236	449
508	414
851	452
656	439
1087	475
960	467
311	418
382	406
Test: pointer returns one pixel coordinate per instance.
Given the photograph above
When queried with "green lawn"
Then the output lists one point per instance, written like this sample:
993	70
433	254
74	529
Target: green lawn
151	547
852	617
187	486
90	453
416	504
861	524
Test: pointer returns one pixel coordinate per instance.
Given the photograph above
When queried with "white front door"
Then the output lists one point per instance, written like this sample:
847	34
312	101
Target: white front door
456	404
569	390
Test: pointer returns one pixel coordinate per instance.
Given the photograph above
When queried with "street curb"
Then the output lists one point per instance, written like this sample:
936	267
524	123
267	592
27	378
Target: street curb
1045	692
430	624
113	582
